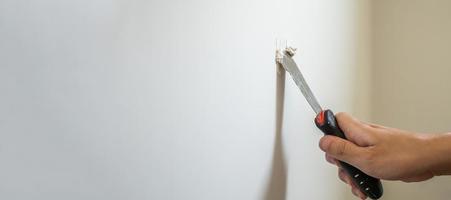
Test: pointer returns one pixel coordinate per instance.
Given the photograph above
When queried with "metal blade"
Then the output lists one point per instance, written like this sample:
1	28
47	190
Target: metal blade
289	65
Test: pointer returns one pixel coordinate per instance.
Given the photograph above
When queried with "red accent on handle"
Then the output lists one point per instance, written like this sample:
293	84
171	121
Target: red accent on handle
320	118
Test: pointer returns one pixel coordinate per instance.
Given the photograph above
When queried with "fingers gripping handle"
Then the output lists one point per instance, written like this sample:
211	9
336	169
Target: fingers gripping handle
370	186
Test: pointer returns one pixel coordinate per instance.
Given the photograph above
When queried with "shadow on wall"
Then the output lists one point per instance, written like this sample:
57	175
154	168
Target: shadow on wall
277	185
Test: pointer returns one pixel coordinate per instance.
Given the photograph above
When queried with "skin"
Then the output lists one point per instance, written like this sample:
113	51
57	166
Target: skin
387	153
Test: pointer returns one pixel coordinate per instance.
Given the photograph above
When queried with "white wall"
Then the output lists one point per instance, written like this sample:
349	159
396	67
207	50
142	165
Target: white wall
411	85
169	99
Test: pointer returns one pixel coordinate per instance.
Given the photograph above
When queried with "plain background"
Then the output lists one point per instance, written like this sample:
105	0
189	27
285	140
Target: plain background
410	78
177	99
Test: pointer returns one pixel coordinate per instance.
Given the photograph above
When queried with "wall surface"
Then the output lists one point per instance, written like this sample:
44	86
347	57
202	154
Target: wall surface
170	99
411	84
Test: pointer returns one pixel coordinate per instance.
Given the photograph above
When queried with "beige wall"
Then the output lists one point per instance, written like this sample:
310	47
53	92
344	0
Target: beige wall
411	85
362	93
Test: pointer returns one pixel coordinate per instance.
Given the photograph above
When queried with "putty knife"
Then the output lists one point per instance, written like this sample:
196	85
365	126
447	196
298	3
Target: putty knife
326	122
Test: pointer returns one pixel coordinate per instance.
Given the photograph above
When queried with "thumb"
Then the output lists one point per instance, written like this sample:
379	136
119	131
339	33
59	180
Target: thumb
341	149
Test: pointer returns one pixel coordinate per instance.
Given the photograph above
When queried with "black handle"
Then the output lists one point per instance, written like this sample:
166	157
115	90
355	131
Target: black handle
370	186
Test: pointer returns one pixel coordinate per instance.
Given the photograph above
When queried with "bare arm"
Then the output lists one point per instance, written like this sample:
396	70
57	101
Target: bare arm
388	153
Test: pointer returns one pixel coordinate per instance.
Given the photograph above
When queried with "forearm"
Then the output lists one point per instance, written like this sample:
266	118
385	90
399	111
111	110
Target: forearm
388	153
439	150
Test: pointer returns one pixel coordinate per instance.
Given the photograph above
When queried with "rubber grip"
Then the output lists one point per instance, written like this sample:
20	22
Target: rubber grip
370	186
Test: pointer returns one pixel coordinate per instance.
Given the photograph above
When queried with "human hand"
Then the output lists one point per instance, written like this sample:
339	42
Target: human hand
381	152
